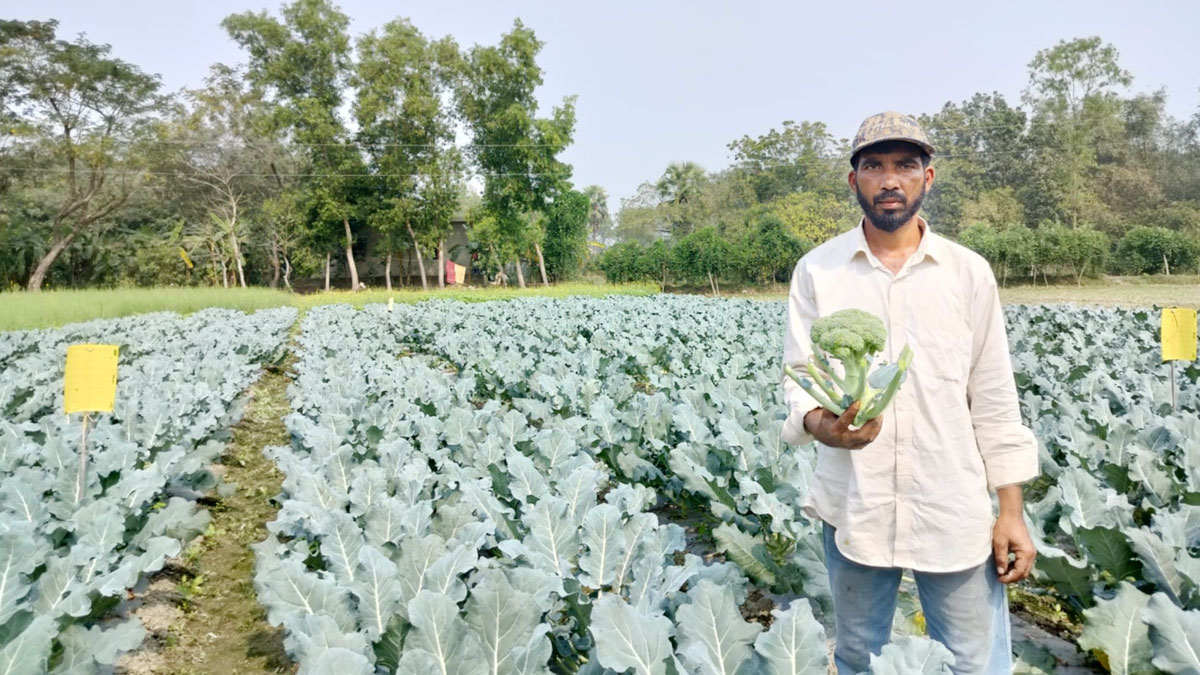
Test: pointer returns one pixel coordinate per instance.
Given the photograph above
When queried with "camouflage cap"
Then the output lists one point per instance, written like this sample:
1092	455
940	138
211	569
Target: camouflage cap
889	126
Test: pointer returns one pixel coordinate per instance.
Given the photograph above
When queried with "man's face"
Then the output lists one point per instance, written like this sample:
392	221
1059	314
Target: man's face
890	186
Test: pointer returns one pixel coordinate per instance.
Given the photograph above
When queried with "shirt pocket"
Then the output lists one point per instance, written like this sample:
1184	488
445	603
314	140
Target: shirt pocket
943	338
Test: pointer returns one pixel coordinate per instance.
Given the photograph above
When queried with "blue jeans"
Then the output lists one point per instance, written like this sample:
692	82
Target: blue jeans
965	611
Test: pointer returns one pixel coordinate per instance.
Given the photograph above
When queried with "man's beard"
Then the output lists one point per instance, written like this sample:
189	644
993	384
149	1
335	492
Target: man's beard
889	221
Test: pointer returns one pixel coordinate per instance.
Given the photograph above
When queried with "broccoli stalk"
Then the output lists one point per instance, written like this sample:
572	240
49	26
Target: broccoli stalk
853	337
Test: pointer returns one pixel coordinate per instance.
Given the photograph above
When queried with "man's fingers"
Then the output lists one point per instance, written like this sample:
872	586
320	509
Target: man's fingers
1000	554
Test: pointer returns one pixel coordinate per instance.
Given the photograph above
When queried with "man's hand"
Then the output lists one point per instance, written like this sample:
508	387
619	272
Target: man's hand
834	430
1010	535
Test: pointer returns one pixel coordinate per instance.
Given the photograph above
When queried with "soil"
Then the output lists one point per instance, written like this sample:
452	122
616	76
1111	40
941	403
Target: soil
201	613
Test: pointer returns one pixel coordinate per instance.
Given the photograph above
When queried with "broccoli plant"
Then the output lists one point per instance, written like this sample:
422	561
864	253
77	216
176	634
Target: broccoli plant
853	337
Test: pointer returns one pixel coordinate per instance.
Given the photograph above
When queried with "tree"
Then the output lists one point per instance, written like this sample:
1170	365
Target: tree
600	225
801	157
87	113
403	80
703	254
1070	91
516	150
221	147
305	62
566	235
811	216
679	190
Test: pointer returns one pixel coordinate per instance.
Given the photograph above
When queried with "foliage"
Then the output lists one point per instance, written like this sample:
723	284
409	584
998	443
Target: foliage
566	237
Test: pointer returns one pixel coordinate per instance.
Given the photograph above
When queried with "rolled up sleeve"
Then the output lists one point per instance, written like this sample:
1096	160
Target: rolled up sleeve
797	348
1009	448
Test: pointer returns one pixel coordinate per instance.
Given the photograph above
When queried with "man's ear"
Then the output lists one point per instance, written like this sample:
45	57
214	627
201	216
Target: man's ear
929	174
852	179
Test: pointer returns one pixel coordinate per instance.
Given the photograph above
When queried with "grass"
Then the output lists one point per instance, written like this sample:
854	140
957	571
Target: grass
1146	291
49	309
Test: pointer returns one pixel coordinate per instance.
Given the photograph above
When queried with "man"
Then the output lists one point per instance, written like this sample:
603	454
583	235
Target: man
910	489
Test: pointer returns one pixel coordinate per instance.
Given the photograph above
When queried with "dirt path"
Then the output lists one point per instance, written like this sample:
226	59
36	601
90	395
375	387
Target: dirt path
219	626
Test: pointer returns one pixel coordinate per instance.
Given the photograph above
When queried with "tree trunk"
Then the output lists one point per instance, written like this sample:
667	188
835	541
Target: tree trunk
287	272
541	263
274	262
237	259
712	284
520	273
327	265
43	267
387	272
224	273
420	259
441	263
501	277
1166	266
350	256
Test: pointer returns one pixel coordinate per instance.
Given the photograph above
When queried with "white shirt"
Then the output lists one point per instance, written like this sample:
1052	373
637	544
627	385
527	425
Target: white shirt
918	495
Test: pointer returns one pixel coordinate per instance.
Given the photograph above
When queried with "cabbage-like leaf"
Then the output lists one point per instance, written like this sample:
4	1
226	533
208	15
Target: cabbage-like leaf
16	561
84	648
441	638
553	540
377	589
713	636
795	644
628	638
912	656
740	548
1174	634
1115	627
503	617
605	541
26	653
337	660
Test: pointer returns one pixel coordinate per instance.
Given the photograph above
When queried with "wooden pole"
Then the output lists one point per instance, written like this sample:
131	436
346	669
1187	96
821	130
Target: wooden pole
1173	408
82	462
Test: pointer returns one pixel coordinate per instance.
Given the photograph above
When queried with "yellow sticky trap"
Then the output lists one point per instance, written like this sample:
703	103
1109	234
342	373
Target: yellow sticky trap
186	260
1178	334
90	383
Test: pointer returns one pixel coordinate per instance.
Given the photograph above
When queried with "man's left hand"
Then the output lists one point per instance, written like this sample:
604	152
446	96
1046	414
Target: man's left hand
1010	535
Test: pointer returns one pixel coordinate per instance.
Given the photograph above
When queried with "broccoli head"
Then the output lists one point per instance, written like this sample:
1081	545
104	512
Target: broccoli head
853	337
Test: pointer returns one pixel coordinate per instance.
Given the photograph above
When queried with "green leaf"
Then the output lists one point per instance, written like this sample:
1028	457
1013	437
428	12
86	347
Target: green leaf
1115	627
441	635
795	644
1110	551
604	538
741	548
503	617
84	648
1174	634
713	636
627	638
26	653
1032	659
912	656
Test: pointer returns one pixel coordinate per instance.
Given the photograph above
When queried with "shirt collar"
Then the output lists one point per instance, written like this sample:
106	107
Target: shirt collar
931	245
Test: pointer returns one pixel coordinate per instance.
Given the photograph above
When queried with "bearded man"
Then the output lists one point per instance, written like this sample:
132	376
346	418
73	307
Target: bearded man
913	487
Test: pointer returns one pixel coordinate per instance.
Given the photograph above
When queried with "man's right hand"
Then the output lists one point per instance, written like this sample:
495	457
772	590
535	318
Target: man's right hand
834	430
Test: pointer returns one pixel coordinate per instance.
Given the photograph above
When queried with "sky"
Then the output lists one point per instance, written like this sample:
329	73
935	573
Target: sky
659	82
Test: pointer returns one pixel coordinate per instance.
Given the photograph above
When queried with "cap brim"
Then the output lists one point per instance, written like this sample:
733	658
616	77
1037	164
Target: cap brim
920	144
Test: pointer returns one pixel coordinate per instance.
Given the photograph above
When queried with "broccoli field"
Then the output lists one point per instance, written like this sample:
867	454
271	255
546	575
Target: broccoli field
580	485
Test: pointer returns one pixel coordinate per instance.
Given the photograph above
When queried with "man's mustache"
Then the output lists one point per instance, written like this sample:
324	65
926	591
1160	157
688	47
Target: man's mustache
892	195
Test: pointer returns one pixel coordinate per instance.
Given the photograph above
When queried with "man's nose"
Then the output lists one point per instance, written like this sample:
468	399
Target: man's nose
891	179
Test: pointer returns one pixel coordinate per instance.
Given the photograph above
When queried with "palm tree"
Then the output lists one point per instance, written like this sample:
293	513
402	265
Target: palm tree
599	220
681	182
679	188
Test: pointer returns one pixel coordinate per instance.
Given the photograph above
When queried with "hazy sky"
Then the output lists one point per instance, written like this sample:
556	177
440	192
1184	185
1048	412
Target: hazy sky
666	81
